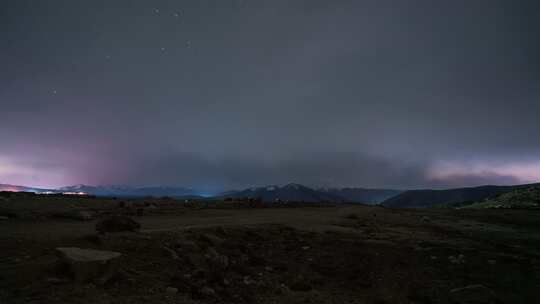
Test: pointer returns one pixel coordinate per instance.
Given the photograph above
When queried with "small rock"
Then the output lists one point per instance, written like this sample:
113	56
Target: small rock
117	224
460	259
88	264
171	253
305	247
55	280
425	219
89	286
477	293
207	292
171	290
248	280
152	207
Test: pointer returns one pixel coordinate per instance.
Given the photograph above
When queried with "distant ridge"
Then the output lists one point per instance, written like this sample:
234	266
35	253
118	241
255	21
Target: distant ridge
291	192
300	193
429	198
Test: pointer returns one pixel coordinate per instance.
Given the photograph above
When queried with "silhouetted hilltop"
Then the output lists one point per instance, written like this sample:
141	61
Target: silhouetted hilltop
429	198
522	198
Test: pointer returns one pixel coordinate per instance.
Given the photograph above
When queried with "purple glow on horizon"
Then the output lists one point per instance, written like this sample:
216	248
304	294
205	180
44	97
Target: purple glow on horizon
522	172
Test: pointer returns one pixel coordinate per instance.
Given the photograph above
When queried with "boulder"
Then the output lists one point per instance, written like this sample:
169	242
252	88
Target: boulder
88	265
117	224
478	294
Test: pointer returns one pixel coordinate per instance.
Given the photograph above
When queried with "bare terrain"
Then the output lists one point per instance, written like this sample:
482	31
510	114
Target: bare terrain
188	252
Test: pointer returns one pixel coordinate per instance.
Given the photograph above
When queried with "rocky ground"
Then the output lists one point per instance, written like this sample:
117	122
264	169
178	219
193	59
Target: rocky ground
340	254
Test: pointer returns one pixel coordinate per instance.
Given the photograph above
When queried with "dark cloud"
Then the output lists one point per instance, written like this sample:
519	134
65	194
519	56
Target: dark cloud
240	93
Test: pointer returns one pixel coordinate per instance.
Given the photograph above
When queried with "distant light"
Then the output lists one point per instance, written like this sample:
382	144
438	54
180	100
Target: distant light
46	192
75	193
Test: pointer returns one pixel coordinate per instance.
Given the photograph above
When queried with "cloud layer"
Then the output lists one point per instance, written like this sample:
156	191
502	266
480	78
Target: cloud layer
234	94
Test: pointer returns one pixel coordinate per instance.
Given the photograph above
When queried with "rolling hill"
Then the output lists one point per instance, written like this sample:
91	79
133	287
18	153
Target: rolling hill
523	198
430	198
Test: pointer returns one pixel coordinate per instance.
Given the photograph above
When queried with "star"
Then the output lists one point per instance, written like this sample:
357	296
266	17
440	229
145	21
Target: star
163	49
156	10
54	92
176	15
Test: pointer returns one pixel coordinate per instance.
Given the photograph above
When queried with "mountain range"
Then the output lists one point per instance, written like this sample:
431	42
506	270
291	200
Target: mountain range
290	192
299	193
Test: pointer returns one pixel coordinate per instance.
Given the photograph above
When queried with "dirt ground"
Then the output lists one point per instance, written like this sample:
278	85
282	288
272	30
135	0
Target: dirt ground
337	254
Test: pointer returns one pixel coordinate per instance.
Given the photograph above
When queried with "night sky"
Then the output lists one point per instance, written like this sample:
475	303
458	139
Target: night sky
220	94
